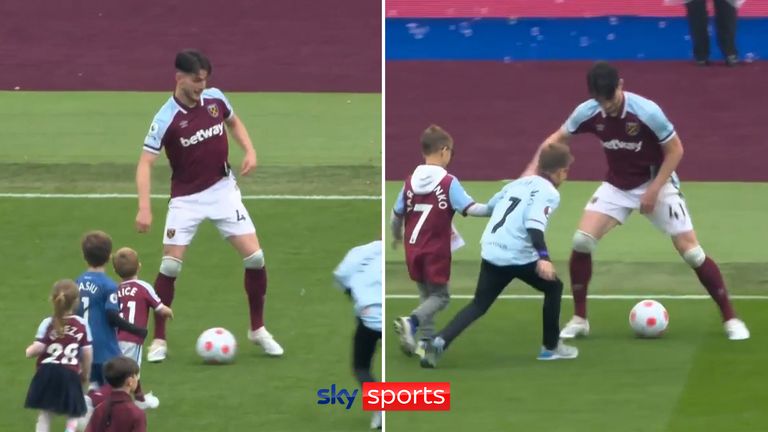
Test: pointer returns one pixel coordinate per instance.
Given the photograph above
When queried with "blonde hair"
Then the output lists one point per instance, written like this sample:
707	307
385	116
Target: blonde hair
554	157
126	262
64	297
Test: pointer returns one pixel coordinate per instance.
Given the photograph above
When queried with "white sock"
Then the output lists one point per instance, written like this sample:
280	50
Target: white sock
71	425
43	422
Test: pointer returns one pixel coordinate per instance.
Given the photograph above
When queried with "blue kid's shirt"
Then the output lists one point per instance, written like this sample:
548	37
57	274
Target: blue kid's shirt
98	294
527	202
360	272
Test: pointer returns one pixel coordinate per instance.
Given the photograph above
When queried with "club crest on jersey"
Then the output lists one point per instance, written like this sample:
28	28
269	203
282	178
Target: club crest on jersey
170	232
632	128
213	110
600	127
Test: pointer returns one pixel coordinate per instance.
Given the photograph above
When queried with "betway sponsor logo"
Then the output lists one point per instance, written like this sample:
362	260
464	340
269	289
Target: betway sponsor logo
621	145
203	134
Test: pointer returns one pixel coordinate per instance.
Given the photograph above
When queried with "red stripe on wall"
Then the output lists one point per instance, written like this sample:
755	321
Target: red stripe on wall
547	8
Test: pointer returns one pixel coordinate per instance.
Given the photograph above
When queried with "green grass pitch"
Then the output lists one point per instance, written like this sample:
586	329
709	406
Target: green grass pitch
691	379
307	144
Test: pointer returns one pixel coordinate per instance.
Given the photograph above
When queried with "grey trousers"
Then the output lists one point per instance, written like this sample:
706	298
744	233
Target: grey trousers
433	299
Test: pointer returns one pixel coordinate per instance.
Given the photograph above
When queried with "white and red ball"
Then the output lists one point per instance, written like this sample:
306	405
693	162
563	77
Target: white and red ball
649	319
217	345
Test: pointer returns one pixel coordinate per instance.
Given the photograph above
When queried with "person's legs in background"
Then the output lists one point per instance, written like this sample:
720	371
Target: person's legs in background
697	23
725	23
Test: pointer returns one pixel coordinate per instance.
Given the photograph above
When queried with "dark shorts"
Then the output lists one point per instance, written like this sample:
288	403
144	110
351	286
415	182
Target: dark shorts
97	374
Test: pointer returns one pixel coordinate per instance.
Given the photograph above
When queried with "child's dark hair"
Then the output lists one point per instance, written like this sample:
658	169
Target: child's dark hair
97	247
119	369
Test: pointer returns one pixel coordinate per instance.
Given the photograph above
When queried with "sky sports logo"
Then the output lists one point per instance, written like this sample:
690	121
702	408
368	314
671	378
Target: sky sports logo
391	396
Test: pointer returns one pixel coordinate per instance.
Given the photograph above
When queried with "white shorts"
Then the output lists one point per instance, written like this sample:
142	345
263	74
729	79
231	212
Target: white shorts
131	350
222	203
670	215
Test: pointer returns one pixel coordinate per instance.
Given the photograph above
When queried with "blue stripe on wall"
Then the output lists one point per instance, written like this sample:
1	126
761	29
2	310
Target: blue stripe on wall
609	38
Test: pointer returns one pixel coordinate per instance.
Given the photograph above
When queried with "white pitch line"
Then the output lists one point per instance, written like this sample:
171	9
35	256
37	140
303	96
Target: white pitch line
597	296
245	197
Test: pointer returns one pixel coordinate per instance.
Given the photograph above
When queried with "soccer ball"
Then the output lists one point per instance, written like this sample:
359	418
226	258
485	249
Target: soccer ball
649	319
216	346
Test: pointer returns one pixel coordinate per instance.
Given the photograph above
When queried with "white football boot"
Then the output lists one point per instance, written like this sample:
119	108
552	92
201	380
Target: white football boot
265	339
150	402
735	329
404	328
577	326
157	351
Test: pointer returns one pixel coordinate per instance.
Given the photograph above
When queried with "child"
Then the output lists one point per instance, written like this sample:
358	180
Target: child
425	206
513	247
359	275
118	413
63	349
136	297
99	305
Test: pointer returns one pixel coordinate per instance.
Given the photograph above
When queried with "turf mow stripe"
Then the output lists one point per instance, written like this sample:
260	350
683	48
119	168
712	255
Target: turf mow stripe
156	196
596	296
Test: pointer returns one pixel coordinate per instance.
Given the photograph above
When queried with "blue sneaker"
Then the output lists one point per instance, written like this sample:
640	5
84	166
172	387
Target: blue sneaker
433	349
407	332
562	351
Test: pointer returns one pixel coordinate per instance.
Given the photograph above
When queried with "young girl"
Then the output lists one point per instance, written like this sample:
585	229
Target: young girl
63	350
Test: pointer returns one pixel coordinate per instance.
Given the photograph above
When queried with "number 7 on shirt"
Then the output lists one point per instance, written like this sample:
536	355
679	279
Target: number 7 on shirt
424	209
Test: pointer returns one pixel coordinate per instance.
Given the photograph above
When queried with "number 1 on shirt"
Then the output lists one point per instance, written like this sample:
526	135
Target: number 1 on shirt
131	312
86	301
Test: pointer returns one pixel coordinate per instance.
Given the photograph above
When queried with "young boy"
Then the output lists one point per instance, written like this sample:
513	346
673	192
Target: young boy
99	304
359	275
117	412
137	298
513	247
425	206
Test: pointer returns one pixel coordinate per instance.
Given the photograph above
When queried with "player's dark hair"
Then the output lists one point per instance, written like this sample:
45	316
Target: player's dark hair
554	157
64	296
119	369
126	262
434	139
97	247
192	61
602	80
